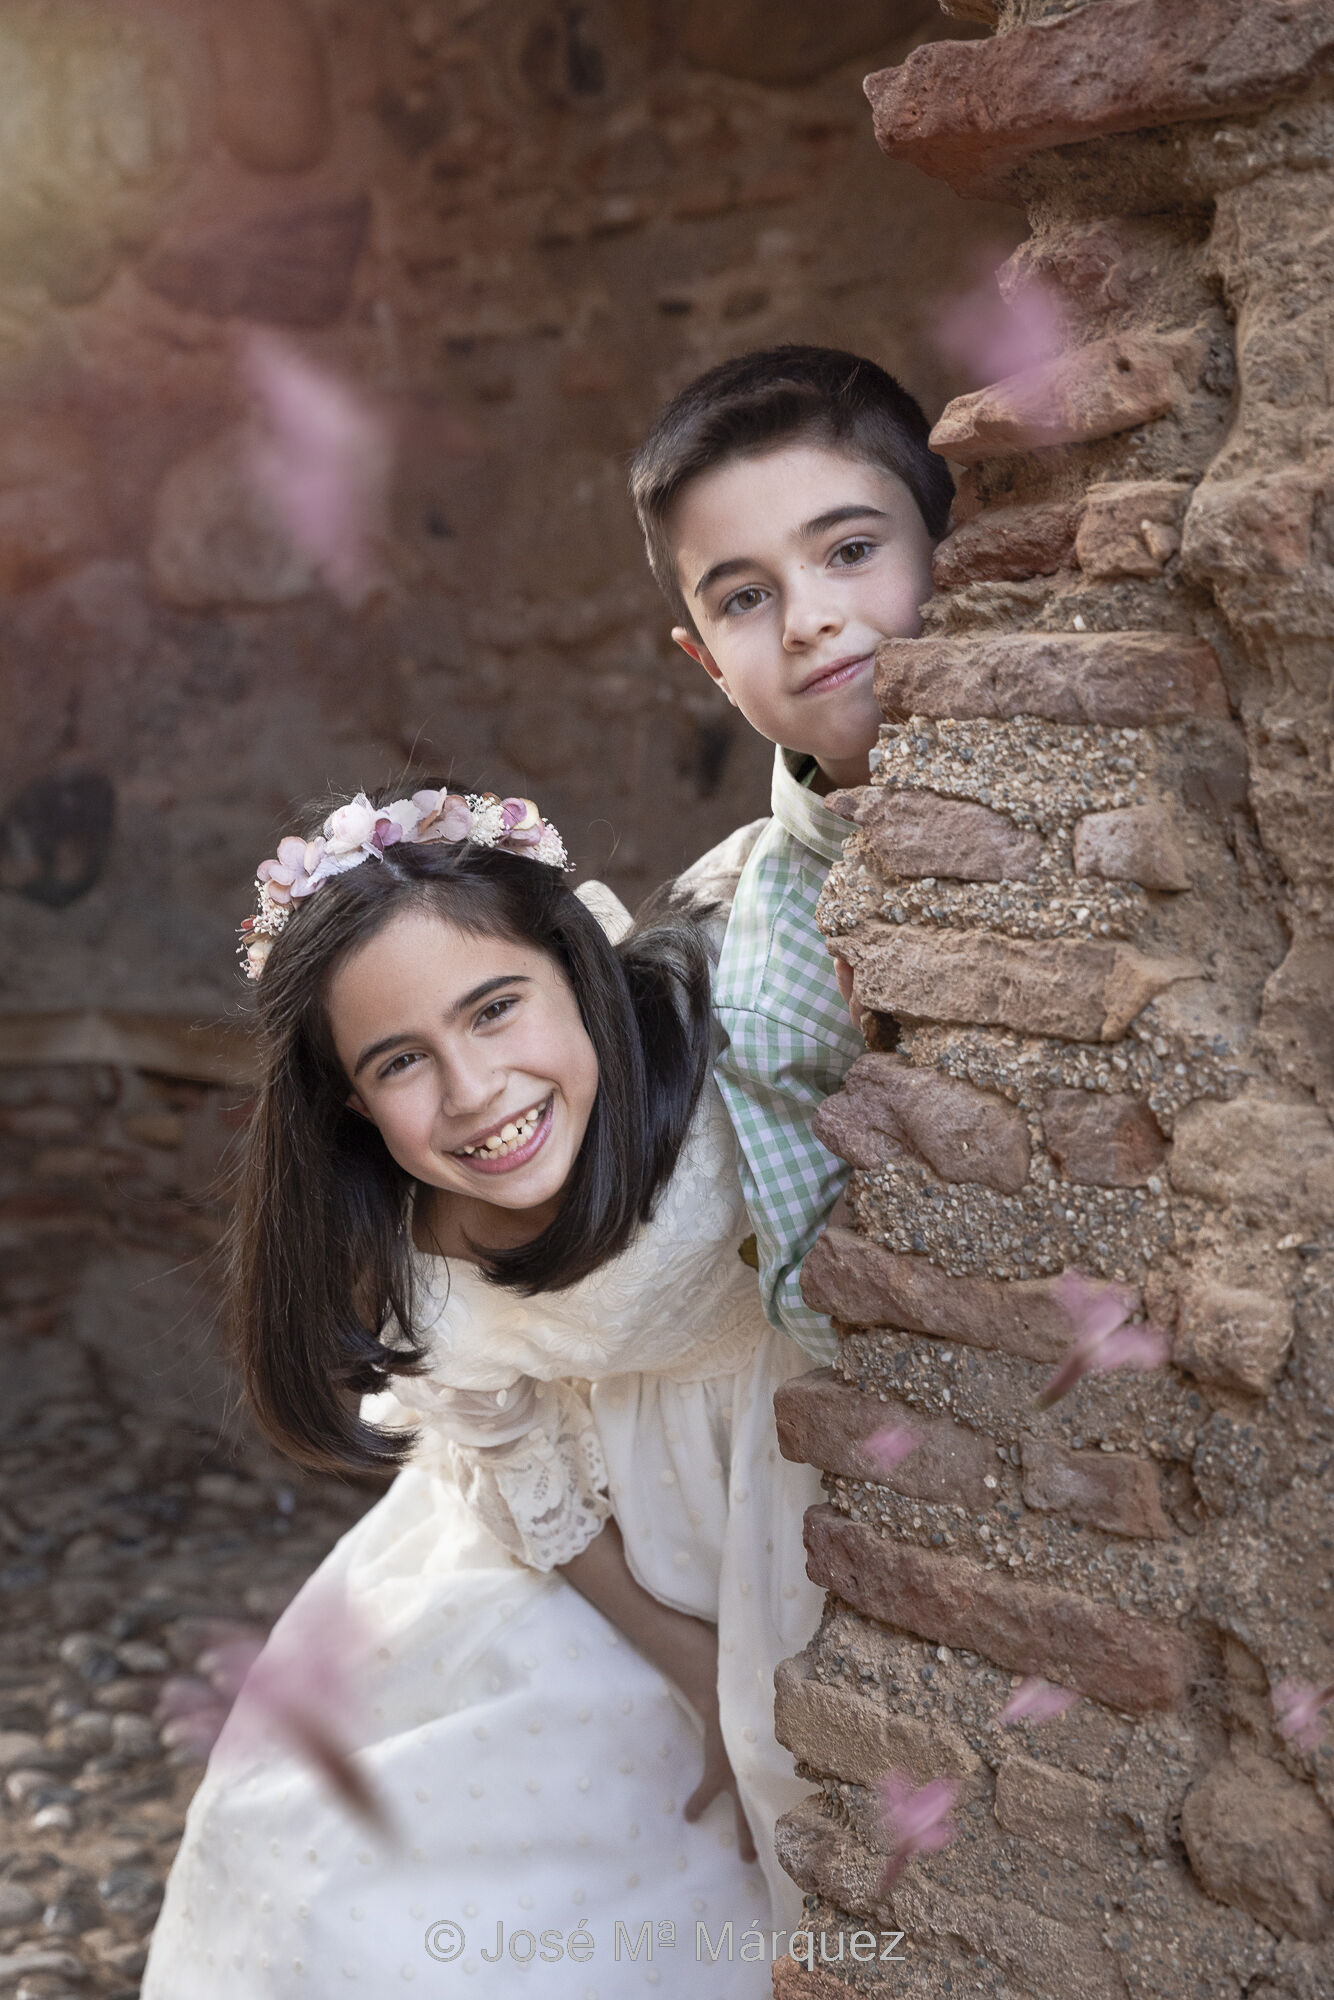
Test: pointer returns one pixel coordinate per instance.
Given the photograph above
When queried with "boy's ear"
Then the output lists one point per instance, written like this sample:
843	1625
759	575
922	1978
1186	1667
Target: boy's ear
699	652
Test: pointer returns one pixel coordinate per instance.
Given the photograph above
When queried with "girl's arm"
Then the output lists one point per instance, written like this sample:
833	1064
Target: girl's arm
682	1647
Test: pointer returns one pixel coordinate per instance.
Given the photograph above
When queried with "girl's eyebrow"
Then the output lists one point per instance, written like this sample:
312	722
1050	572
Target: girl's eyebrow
808	532
461	1006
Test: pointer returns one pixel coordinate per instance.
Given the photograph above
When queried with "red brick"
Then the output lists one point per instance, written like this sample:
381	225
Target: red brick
1108	1490
1136	844
1121	679
863	1285
293	265
1100	1140
888	1109
272	105
920	833
855	1736
1058	1809
1075	988
792	1981
969	112
1129	1662
1131	527
1097	391
1007	544
821	1421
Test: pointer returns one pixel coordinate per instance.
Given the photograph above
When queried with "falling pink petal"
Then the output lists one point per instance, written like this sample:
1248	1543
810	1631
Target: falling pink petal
889	1447
1299	1710
322	459
295	1684
1036	1700
1103	1338
916	1819
990	337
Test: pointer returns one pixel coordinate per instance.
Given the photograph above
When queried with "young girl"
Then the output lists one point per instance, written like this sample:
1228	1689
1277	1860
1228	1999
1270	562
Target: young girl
487	1168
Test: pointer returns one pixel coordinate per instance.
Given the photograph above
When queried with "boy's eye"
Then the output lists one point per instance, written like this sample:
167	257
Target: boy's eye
742	600
848	553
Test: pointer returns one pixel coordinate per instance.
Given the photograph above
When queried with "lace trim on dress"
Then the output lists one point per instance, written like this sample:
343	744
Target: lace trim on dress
544	1495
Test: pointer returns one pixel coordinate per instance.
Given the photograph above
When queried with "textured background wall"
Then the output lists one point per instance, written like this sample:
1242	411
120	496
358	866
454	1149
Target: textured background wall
517	226
1088	901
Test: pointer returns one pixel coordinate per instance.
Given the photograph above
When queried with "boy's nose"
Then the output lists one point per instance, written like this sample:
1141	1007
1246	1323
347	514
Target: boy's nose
809	615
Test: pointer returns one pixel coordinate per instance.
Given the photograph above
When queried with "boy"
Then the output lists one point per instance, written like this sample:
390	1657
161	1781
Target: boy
790	503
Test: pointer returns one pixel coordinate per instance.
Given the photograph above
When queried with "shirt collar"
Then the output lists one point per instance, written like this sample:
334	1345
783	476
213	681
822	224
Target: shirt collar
800	812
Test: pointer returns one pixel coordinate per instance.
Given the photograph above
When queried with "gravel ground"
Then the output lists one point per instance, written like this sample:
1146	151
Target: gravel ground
123	1540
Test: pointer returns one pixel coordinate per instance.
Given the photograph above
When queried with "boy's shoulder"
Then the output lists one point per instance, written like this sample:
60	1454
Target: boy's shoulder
714	877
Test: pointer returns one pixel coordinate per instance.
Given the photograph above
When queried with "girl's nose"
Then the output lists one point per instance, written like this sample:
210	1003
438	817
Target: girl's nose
469	1084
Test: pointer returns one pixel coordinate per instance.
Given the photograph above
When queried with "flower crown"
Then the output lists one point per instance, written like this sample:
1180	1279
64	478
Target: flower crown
360	832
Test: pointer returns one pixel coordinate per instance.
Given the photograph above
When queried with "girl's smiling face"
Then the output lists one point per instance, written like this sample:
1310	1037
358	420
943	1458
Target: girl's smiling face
469	1056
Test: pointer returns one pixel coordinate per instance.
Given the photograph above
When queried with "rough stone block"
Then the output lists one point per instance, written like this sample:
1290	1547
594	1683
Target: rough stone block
1131	1663
823	1856
887	1109
970	112
854	1737
1108	1490
50	514
1033	1953
1240	529
792	1980
292	266
920	833
821	1421
1071	987
1121	679
1263	1157
273	107
1058	1809
1130	527
1297	1018
1100	1140
1111	385
1135	844
214	539
1005	544
1262	1842
1236	1338
863	1285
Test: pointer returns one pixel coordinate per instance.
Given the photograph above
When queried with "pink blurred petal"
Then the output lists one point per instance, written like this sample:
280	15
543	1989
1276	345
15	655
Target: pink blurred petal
1036	1700
916	1819
1299	1711
1103	1340
889	1447
991	337
322	459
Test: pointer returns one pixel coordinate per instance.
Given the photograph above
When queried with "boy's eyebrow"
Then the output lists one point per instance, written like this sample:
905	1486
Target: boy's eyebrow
808	532
460	1006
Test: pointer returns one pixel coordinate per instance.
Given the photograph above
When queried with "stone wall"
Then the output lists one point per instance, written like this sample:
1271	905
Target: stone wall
516	226
1088	905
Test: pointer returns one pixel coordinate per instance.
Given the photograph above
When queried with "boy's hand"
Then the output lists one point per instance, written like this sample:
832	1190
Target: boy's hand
845	977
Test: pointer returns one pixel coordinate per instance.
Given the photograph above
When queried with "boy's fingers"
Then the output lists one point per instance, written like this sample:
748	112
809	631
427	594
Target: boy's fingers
844	973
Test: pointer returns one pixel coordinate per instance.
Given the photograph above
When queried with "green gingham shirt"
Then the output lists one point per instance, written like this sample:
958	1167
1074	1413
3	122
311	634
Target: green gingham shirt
790	1043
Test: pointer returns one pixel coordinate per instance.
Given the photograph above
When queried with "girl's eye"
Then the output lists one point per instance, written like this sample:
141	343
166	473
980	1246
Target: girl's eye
495	1010
398	1064
742	600
849	553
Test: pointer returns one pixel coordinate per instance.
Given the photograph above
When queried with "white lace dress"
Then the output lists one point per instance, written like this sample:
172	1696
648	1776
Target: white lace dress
534	1764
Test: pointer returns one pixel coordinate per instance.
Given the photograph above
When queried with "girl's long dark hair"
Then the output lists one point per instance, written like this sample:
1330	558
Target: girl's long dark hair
320	1246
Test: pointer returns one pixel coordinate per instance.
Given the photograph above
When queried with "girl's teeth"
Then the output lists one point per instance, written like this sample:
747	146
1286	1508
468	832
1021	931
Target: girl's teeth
516	1133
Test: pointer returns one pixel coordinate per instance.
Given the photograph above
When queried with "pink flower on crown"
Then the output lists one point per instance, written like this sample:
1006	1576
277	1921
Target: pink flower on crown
294	871
522	822
349	830
444	816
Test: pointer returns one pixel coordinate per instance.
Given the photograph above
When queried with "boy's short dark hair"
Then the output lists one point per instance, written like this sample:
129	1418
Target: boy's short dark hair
756	402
